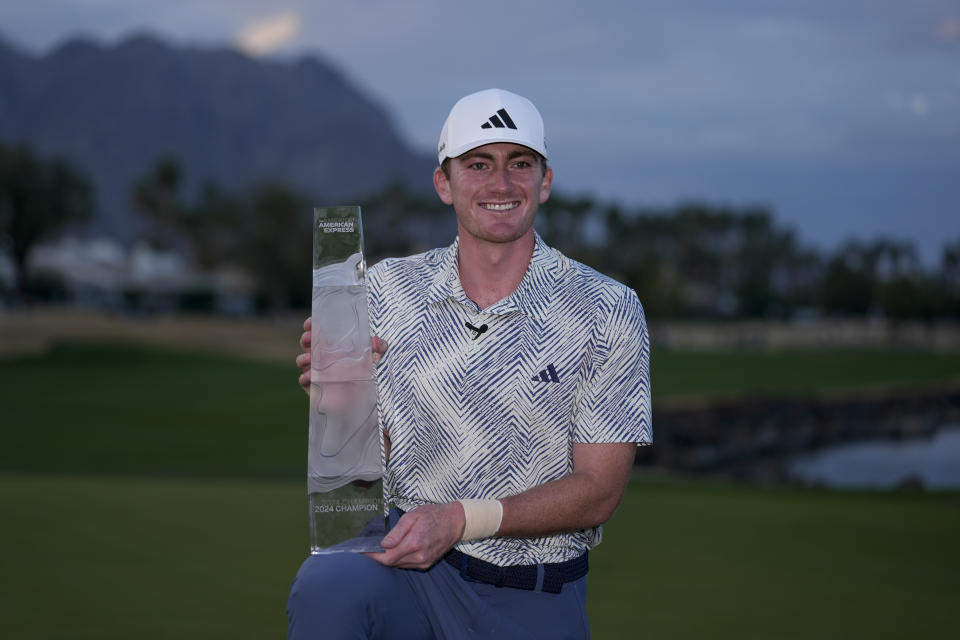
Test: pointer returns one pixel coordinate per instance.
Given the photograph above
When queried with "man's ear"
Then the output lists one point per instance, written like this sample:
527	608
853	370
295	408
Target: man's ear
442	185
545	184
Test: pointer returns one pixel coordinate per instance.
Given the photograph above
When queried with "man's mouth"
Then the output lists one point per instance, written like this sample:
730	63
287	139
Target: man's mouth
500	206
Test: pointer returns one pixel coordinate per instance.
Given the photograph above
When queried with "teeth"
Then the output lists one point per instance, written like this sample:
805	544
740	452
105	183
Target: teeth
493	206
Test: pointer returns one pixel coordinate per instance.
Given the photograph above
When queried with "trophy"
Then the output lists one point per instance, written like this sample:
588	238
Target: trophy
344	478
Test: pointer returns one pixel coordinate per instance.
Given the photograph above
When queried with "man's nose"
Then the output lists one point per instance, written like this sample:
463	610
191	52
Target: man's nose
500	179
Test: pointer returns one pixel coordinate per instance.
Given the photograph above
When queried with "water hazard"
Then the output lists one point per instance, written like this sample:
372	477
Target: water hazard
933	463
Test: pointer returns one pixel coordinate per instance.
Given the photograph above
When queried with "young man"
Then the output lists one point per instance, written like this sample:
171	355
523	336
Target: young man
514	389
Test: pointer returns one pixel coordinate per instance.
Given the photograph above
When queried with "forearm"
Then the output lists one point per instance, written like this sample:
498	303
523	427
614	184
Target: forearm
585	498
567	504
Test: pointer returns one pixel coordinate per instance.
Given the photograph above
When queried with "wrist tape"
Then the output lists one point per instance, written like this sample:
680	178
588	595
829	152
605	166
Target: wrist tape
483	518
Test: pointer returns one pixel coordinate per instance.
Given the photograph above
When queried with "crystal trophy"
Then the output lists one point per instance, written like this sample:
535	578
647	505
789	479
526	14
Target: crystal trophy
344	477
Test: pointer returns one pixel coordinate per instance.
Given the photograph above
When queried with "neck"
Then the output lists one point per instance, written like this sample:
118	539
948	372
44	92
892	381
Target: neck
491	271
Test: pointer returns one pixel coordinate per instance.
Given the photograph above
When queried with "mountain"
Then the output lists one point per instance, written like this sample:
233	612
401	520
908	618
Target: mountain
229	118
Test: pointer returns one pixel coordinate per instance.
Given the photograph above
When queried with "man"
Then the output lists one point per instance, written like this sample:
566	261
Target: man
514	389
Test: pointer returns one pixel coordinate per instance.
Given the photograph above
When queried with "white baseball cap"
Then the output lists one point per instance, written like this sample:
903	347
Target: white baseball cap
493	115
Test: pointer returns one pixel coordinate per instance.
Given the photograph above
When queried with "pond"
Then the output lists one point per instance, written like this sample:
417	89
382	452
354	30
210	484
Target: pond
933	463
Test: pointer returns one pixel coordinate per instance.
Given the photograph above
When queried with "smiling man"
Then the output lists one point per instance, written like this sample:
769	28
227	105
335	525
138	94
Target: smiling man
514	388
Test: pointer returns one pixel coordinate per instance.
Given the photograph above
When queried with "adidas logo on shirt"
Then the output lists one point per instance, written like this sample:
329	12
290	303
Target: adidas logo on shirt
547	375
501	120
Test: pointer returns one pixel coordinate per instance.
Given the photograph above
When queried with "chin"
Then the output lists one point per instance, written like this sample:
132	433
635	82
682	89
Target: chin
506	236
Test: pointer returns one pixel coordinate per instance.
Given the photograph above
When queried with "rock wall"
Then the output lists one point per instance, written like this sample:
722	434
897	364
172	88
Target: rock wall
752	438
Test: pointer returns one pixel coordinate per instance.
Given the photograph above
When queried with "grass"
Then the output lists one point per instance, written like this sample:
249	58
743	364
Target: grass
105	558
160	494
112	409
132	557
701	372
696	559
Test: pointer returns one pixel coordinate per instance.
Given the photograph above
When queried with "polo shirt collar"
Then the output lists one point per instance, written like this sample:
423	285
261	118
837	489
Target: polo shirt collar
532	295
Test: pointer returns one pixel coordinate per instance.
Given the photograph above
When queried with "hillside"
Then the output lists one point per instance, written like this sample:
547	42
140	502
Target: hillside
112	110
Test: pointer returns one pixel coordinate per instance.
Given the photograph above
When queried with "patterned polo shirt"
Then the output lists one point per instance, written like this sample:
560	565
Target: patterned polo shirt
564	360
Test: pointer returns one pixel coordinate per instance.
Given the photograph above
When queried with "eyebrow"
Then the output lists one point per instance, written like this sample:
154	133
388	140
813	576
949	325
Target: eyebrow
489	156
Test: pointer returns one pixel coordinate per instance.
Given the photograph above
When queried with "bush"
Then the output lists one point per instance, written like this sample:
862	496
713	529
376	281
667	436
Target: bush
200	299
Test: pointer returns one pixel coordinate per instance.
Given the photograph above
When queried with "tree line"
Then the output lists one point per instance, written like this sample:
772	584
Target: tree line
692	260
707	261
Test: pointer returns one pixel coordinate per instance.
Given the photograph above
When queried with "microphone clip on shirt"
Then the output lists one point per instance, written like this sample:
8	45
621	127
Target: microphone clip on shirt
477	330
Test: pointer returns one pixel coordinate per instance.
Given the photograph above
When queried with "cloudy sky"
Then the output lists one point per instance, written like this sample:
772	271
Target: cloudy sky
842	117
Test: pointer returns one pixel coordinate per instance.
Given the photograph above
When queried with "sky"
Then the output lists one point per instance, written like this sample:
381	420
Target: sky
843	118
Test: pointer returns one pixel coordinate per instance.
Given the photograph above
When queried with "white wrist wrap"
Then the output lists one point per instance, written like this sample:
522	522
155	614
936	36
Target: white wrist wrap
482	518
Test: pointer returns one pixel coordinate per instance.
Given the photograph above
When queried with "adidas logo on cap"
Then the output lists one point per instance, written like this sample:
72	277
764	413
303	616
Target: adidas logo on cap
514	119
499	120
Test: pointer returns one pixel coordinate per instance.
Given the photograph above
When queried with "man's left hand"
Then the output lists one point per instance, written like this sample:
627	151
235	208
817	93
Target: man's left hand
422	536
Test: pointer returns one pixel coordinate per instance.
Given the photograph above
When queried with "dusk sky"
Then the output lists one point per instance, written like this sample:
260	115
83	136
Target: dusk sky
842	117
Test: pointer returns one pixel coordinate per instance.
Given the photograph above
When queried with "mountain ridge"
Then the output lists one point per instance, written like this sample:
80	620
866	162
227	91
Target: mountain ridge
113	110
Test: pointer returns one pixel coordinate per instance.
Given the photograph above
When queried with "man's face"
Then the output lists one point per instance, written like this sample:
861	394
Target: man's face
495	190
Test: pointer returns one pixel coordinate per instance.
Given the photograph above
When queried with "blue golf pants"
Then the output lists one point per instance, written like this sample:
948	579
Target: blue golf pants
347	595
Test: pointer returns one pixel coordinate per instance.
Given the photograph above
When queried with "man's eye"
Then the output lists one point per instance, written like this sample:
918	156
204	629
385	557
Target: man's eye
478	165
522	164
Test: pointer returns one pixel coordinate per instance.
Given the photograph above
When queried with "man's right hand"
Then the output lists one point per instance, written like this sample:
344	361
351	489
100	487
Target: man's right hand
303	360
378	346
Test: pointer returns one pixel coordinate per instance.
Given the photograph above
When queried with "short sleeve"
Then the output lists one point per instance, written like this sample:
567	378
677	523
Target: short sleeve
614	404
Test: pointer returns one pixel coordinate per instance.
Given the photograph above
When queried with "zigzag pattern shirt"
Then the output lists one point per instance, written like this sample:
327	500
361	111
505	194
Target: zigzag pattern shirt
565	359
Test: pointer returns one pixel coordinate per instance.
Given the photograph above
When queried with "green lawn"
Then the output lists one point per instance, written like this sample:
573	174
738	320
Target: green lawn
132	557
114	409
155	494
702	560
679	372
115	558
